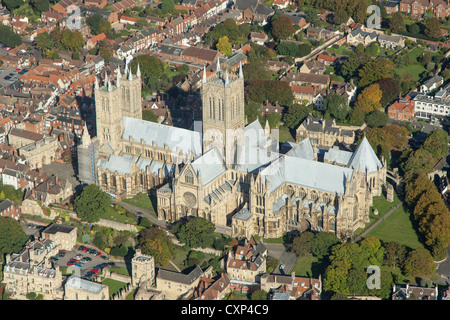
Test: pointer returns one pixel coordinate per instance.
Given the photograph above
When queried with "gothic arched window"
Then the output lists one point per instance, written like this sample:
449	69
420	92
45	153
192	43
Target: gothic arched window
189	177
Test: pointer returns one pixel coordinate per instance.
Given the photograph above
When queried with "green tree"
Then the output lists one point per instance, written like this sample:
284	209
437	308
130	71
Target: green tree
167	6
340	16
375	70
337	106
303	244
419	263
155	242
396	23
377	118
149	115
433	28
105	50
395	254
295	114
252	111
257	69
194	232
323	242
12	4
12	236
259	295
437	143
44	42
91	204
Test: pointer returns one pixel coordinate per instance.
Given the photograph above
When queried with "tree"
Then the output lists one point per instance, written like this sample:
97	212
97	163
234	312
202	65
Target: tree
437	143
44	42
252	111
396	23
340	16
149	65
105	50
40	5
98	24
91	204
369	99
322	243
337	106
12	4
12	236
303	244
259	295
311	16
257	69
390	90
292	49
295	114
282	28
274	119
8	37
375	70
194	232
377	118
419	263
224	46
167	6
72	40
432	28
395	254
155	242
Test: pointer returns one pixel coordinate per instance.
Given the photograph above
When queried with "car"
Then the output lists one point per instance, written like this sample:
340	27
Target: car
98	254
99	266
7	78
79	265
86	259
78	256
139	213
93	251
85	249
81	248
70	263
105	257
62	252
94	270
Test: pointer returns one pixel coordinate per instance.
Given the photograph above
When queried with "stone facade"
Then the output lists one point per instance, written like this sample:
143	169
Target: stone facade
65	237
31	271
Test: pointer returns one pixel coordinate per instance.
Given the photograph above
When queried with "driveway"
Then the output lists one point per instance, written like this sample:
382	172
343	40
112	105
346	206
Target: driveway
443	269
281	252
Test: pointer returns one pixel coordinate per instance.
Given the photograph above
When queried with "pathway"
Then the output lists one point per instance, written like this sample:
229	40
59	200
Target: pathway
392	210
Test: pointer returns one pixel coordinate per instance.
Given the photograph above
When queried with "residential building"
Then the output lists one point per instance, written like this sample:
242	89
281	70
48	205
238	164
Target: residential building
296	288
65	237
176	285
402	109
407	292
10	209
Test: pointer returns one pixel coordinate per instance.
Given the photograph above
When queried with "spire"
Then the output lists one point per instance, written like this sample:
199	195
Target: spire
218	65
204	74
119	75
241	75
130	75
138	71
108	85
96	83
106	78
226	78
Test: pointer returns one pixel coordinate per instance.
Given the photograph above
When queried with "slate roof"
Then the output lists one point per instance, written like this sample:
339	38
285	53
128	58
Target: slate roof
311	174
210	165
150	132
365	158
302	150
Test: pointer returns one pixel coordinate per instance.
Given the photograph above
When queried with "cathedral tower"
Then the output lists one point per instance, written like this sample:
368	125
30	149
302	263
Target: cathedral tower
112	102
223	112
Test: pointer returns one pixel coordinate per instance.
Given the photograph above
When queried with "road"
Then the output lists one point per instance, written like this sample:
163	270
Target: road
280	252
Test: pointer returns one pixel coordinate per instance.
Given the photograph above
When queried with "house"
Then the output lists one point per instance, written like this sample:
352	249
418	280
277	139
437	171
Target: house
175	285
9	209
15	178
129	20
391	6
317	34
93	42
292	287
254	11
391	42
313	66
299	78
258	37
269	108
343	89
358	36
246	264
305	93
212	289
402	109
405	292
65	237
327	59
431	84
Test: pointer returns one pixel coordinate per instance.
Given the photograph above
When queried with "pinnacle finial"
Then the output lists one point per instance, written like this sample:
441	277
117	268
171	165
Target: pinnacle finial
204	74
241	75
138	71
218	65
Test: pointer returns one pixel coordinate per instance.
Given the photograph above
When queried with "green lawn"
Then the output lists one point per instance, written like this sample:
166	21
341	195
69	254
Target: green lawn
115	215
141	200
309	266
397	227
114	286
342	50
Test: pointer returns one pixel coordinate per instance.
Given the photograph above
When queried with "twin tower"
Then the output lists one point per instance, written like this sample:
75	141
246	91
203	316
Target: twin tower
223	117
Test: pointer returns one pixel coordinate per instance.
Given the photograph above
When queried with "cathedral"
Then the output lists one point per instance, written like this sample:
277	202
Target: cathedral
225	170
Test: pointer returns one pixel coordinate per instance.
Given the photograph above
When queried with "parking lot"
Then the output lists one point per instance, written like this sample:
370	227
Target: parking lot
8	76
88	262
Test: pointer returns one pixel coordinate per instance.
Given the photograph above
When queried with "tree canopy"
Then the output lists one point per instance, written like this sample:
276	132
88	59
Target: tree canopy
91	204
12	236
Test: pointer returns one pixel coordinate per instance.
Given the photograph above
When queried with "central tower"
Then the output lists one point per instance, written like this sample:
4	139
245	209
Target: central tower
223	112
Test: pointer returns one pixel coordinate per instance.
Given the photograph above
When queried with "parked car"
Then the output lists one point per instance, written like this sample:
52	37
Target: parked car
98	254
94	270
